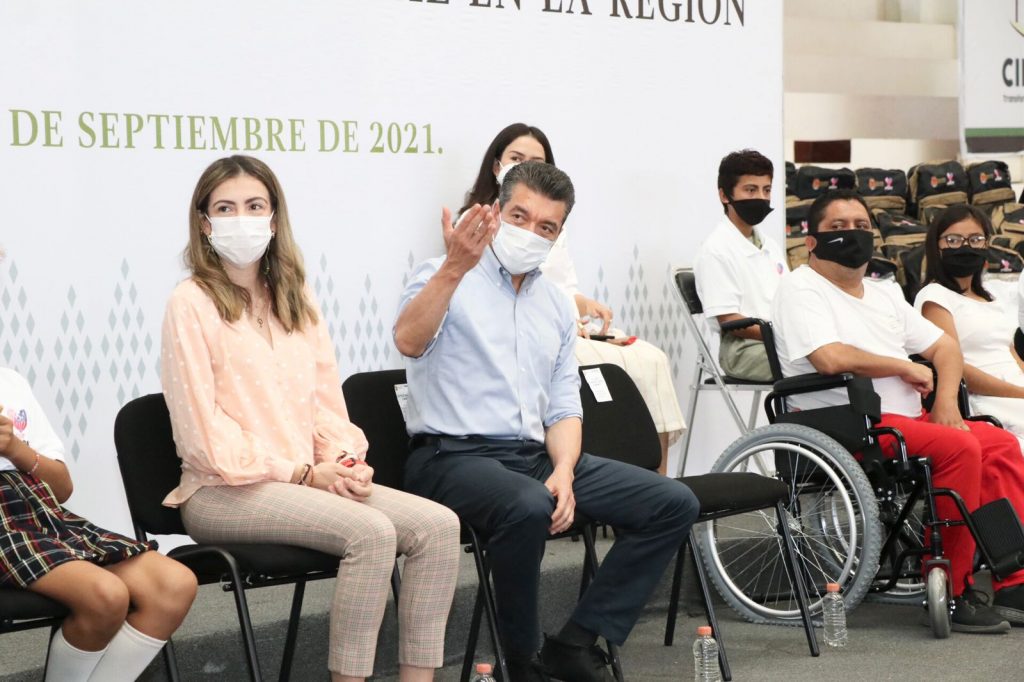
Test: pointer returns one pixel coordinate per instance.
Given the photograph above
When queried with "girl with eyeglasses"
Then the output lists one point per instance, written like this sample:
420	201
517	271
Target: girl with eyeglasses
954	298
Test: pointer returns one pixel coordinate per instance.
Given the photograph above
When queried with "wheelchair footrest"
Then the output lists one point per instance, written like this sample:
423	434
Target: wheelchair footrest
1001	535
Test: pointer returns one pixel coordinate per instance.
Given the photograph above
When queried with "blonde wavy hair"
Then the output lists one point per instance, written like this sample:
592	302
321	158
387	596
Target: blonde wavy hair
281	266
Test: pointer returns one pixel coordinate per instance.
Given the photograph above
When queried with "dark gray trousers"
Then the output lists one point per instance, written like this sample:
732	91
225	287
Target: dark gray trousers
497	487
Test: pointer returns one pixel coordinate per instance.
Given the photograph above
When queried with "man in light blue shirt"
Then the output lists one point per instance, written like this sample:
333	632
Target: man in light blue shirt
497	427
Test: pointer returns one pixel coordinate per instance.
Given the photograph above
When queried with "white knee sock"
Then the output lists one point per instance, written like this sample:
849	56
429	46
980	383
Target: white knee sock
127	656
68	663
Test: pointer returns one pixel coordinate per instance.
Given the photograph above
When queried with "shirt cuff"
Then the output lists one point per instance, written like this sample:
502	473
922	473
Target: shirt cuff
281	470
716	310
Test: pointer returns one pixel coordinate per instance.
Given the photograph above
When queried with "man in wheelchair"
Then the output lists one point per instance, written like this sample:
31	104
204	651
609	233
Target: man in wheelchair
829	319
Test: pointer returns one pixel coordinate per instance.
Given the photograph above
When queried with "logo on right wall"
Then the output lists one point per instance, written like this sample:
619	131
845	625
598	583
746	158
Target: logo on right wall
1016	23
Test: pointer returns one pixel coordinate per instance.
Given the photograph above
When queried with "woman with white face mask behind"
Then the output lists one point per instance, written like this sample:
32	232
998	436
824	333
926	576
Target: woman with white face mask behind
646	364
260	423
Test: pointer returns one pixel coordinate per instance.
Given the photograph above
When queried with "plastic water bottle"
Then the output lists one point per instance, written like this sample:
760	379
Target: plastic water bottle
484	673
705	657
833	615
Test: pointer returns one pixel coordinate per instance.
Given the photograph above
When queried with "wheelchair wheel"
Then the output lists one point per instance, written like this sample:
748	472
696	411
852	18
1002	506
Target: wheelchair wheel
939	615
831	512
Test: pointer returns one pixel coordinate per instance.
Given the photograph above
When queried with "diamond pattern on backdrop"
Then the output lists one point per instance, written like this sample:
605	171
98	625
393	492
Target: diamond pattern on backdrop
601	294
410	265
371	338
19	348
330	306
671	328
73	373
366	346
656	320
129	351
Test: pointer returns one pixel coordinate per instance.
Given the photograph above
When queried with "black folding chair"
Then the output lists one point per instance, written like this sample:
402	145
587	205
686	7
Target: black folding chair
23	610
150	469
373	406
622	429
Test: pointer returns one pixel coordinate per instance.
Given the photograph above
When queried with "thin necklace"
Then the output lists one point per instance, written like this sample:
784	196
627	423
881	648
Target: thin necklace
260	316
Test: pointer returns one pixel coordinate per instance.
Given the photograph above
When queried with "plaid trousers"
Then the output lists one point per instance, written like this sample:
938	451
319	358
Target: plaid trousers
366	535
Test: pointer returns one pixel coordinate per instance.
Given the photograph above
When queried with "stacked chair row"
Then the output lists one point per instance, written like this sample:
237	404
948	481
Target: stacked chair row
903	204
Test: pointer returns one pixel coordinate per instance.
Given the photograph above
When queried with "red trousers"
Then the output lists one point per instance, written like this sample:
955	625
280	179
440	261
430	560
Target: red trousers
982	465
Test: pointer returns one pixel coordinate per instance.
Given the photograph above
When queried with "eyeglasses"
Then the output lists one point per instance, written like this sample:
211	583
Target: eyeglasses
955	241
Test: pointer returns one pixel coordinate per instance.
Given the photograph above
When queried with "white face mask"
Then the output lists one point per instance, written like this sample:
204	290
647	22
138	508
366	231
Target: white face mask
241	240
503	171
519	250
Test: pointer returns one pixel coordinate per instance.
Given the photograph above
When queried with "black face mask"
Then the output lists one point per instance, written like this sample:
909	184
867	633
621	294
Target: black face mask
752	211
963	262
849	248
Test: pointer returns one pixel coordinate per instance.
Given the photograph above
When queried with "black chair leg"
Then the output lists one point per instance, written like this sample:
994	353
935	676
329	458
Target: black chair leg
591	565
796	576
474	635
587	575
486	595
170	662
244	621
709	609
293	631
673	601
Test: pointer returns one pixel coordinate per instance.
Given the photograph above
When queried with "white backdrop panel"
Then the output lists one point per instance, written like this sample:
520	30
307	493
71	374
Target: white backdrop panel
992	76
639	112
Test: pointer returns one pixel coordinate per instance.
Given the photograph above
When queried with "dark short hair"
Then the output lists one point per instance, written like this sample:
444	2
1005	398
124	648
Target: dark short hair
542	178
738	164
934	269
485	190
816	213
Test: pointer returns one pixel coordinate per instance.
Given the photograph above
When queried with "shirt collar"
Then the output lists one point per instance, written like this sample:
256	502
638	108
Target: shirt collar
495	272
737	240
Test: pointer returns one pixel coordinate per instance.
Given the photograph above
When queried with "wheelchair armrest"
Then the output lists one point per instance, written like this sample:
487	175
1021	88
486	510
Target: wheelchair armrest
767	337
742	323
985	418
809	383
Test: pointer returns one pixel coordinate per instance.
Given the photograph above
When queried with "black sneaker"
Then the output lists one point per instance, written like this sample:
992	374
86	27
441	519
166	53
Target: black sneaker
971	613
526	670
574	663
1009	603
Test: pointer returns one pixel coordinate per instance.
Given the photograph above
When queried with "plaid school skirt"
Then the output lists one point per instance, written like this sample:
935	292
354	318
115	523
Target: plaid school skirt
37	534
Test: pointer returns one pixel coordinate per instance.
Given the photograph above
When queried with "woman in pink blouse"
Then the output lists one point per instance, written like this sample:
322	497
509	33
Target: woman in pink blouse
260	424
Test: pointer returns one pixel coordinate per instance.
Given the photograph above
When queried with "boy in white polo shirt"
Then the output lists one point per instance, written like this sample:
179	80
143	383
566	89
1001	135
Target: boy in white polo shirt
737	268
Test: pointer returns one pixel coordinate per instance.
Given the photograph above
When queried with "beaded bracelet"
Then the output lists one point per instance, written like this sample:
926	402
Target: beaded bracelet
35	466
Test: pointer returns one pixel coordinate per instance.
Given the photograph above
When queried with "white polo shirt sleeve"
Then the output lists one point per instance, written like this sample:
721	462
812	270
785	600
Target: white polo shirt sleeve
718	285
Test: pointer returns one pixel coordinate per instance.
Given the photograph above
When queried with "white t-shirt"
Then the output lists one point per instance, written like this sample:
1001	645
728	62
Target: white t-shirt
30	424
734	276
984	328
558	267
810	312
